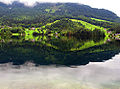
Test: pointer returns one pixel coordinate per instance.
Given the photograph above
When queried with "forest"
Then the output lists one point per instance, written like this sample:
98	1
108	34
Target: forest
57	19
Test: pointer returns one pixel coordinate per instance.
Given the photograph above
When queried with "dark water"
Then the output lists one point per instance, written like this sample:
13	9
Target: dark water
56	51
59	63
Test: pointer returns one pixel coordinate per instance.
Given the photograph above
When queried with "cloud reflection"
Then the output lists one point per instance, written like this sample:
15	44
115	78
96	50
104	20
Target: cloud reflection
92	76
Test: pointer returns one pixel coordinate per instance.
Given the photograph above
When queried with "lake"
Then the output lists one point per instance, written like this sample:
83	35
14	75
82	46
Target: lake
44	62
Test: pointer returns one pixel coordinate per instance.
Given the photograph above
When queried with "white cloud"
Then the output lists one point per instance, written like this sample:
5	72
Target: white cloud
112	5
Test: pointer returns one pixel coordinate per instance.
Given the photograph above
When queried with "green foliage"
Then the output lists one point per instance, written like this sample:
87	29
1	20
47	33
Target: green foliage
115	28
17	14
50	18
65	25
48	10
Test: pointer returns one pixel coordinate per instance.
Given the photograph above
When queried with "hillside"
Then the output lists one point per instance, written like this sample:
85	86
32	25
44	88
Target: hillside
56	18
20	12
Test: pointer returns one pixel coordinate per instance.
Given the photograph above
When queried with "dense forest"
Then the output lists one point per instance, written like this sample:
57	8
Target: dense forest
56	18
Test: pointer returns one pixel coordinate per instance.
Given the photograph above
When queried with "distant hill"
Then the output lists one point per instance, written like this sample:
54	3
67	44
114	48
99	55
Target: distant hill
18	10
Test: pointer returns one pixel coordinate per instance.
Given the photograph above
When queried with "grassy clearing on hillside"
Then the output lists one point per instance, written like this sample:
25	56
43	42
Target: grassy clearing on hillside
15	34
100	20
86	24
54	9
51	23
30	32
48	10
91	26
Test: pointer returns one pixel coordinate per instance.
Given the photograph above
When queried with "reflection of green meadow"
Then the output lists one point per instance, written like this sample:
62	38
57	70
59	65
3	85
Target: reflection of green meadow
60	43
47	50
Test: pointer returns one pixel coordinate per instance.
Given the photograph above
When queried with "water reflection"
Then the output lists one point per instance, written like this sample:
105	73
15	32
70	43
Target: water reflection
44	62
95	75
68	51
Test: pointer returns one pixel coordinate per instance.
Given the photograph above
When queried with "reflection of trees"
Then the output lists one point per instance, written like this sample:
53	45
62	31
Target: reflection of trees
73	44
20	52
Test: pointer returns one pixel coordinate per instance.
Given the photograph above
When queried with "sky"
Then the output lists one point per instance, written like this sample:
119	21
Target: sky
112	5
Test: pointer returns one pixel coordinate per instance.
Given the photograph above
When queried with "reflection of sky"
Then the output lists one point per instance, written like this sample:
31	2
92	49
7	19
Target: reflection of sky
92	76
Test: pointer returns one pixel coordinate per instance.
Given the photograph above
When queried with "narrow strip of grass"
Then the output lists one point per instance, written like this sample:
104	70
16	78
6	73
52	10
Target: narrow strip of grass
100	20
15	34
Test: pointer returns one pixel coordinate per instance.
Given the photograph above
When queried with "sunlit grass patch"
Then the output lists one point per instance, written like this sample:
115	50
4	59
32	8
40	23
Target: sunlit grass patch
100	20
47	10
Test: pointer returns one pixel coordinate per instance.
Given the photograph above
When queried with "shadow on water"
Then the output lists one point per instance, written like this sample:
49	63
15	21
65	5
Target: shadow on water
68	51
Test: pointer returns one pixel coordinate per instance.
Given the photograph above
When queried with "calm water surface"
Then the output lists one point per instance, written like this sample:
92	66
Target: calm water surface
59	63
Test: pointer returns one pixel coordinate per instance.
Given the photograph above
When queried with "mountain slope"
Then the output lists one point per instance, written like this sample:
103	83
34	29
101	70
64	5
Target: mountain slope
19	10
